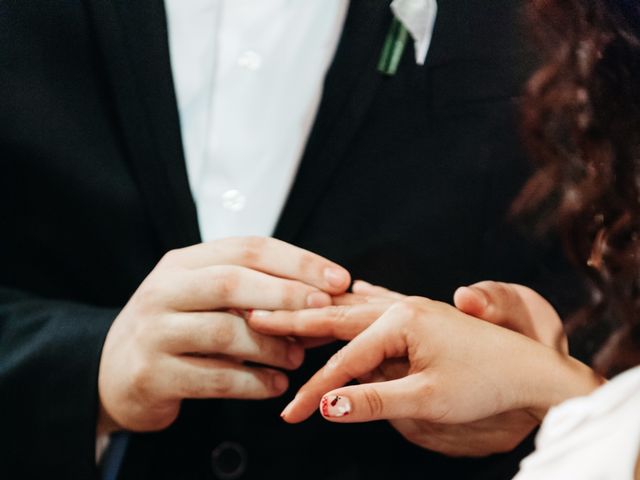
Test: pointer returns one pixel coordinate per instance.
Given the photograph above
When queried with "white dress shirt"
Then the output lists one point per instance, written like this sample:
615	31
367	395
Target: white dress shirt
596	437
248	76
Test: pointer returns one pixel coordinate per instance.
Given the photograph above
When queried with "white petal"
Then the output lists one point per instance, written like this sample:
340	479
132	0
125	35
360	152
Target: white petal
419	18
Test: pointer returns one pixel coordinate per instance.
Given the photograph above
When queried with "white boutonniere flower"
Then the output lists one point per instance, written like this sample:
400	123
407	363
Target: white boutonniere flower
415	18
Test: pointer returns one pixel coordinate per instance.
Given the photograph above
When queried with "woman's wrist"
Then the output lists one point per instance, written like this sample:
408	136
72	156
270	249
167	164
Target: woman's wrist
560	378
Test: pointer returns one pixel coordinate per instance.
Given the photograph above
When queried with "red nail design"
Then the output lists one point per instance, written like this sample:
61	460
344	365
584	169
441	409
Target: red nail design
335	406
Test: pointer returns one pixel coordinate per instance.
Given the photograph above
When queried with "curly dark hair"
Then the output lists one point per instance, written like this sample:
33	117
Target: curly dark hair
581	120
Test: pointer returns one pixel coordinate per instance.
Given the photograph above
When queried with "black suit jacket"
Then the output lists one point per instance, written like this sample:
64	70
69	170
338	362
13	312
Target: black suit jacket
405	181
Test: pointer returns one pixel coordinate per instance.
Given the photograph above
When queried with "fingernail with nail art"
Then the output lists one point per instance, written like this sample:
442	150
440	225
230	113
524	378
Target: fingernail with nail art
335	406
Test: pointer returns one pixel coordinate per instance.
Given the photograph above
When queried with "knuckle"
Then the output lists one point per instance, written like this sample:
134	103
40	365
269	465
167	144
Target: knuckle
222	382
497	291
142	377
222	336
408	309
160	333
306	263
421	309
374	401
171	258
501	290
504	299
251	250
291	296
424	304
225	284
152	291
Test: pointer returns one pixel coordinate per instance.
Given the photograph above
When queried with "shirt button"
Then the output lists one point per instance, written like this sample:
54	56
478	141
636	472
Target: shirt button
250	60
233	200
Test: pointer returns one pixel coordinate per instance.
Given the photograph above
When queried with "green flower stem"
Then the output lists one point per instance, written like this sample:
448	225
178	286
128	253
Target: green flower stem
394	46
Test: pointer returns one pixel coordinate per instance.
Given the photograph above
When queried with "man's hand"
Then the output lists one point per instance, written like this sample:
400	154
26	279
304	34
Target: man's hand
512	306
178	336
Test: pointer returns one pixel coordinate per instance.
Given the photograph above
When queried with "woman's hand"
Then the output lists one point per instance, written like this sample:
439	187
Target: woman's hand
509	305
515	307
435	390
461	370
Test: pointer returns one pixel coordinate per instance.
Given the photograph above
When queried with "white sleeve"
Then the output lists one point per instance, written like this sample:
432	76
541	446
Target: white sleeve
102	442
592	437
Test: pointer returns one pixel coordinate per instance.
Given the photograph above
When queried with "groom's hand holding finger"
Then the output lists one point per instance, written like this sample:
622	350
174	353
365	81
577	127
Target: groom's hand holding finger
175	338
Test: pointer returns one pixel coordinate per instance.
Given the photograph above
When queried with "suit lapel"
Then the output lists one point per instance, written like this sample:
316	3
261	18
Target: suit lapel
350	86
132	37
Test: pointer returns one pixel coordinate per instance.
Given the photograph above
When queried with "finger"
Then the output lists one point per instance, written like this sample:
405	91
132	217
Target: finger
374	401
391	369
353	299
342	323
218	287
494	302
359	357
308	343
195	377
267	255
513	306
471	301
226	334
361	287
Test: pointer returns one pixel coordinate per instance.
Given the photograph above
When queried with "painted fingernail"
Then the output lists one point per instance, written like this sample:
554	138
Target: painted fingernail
318	300
335	406
335	277
295	355
280	383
